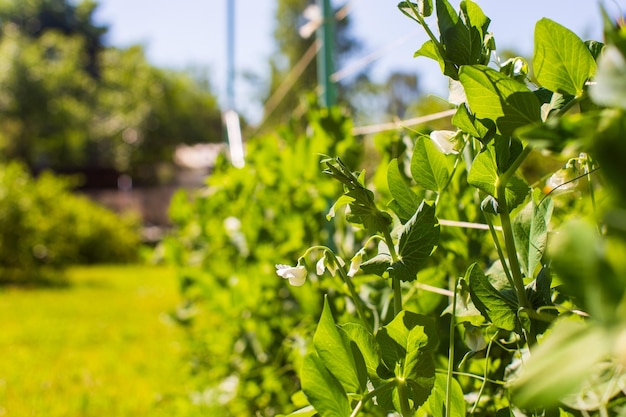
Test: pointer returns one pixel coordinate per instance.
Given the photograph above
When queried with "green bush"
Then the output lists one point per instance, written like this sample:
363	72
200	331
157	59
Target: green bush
44	226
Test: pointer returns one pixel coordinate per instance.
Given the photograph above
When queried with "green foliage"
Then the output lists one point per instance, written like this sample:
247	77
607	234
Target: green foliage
66	100
470	288
45	226
525	293
226	242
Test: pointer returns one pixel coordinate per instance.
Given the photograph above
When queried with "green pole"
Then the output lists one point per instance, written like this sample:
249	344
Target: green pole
325	56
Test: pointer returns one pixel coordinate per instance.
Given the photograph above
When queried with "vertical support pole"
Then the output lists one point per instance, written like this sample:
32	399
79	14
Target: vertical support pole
230	116
325	56
230	54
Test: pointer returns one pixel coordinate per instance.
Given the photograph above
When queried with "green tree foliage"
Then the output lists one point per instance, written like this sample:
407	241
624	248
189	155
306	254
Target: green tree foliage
65	100
290	48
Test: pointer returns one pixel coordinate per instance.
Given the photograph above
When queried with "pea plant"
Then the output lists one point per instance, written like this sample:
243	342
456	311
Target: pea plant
520	208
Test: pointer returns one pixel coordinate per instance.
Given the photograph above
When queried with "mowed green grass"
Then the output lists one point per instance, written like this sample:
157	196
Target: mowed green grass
101	346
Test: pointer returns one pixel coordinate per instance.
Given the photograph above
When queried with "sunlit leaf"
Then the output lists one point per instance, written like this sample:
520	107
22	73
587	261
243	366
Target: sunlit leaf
335	350
491	302
560	364
492	95
418	238
485	174
407	200
530	229
561	61
322	389
436	403
429	166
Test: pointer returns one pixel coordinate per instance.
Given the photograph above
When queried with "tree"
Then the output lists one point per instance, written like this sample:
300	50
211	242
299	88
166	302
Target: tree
290	49
68	101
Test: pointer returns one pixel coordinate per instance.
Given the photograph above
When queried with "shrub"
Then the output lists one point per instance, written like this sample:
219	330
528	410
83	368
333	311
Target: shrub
44	226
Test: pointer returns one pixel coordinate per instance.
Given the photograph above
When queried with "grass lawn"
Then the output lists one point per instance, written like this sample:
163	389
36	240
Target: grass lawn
100	347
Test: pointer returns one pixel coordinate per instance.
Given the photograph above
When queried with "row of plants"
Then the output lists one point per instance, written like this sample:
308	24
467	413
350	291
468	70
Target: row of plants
477	271
46	227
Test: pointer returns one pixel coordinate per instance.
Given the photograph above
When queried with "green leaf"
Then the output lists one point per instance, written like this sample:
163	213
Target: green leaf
530	230
591	268
366	344
489	301
484	173
322	389
407	200
379	264
610	86
455	36
561	61
336	351
407	344
505	101
417	240
430	50
560	364
470	125
437	401
429	166
363	210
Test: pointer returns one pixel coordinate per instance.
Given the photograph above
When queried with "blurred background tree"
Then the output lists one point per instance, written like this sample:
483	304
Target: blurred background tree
68	101
290	50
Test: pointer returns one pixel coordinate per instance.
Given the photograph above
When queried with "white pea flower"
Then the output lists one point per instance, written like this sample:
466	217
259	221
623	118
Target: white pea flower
355	263
446	140
326	262
295	274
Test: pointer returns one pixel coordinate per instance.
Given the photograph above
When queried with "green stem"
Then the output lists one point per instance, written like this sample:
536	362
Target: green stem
507	229
405	408
451	350
373	393
509	244
395	283
484	379
358	303
429	32
496	241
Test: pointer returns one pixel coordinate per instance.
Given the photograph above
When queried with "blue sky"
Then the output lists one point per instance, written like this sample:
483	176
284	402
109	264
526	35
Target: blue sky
193	33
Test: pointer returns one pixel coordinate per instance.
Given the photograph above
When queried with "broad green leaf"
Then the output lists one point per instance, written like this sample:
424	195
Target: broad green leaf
485	174
429	166
429	50
417	240
505	101
366	343
407	344
561	61
407	200
491	303
437	401
335	350
322	389
476	17
559	365
530	229
591	268
470	125
363	210
379	264
460	46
